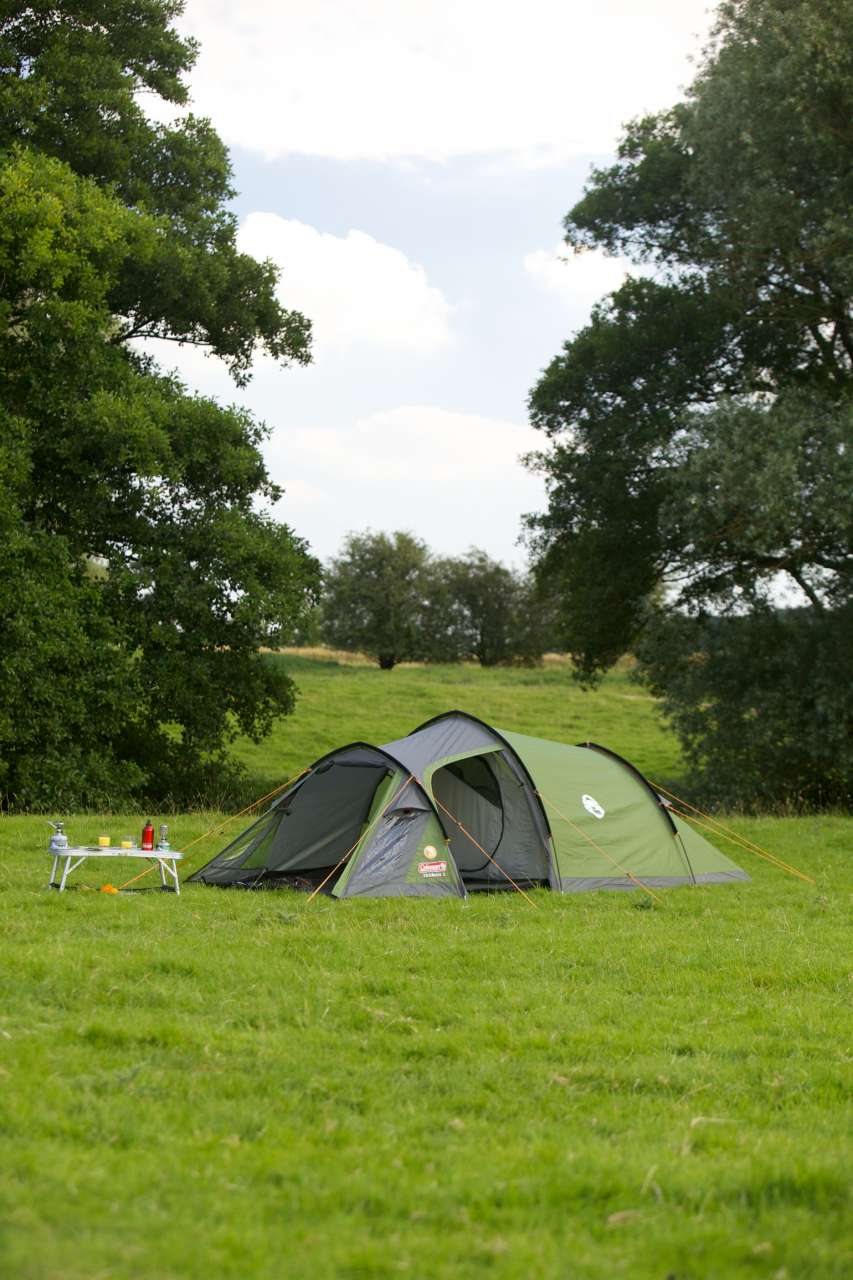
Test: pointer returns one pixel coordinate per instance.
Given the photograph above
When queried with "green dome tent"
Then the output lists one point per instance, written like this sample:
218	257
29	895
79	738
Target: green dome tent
458	806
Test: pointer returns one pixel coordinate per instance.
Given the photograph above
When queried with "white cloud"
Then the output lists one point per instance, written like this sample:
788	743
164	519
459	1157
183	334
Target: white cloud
452	478
579	279
396	79
354	289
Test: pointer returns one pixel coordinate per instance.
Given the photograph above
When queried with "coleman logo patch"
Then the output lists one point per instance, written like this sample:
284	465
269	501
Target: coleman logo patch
592	806
432	869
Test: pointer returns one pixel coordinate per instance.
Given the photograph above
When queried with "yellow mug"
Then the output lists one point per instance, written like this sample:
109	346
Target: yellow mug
104	842
127	844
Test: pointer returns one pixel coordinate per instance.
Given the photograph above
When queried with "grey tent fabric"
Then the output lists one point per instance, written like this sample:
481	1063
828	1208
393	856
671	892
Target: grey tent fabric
498	813
385	869
310	827
586	884
475	811
524	852
326	817
451	735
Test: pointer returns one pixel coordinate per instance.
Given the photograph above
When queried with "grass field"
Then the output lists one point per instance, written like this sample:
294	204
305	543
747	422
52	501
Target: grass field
341	701
250	1085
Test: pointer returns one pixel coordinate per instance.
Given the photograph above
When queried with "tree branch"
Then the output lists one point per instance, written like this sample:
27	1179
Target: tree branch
805	587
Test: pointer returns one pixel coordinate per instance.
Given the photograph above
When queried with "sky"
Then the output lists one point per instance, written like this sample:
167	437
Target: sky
407	164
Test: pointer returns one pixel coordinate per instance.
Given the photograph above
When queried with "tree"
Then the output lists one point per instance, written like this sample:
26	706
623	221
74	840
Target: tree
71	81
111	228
755	696
758	492
376	595
761	703
700	423
489	613
386	595
738	200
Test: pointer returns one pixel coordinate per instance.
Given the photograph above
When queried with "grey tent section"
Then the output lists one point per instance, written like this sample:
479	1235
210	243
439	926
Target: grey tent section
458	806
444	738
358	820
402	852
309	827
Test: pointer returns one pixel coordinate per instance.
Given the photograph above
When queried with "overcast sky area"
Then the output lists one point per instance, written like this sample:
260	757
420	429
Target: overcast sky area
407	164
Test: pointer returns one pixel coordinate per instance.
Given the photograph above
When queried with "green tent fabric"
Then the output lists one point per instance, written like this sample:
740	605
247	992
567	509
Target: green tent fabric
457	807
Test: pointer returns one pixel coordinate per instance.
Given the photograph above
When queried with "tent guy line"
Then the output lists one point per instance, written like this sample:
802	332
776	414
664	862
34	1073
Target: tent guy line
219	827
718	829
487	755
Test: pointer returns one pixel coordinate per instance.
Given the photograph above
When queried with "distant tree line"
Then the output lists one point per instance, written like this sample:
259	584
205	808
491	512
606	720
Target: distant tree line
388	596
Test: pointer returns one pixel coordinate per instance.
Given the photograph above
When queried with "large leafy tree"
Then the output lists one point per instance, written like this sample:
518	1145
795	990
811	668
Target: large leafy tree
735	206
700	423
386	595
140	570
480	609
376	597
73	81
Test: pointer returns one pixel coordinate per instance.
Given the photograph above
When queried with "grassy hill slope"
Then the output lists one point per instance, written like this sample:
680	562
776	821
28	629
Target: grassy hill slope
341	701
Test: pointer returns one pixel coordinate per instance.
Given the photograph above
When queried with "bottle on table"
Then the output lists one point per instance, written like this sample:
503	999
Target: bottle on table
147	841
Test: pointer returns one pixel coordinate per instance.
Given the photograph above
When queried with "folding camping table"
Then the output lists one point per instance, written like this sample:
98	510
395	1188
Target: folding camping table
75	855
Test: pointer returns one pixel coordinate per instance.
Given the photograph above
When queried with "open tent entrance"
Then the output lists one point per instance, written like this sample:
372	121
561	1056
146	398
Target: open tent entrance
312	827
482	794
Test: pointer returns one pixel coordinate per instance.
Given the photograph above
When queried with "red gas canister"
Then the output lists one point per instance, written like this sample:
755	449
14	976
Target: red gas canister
147	836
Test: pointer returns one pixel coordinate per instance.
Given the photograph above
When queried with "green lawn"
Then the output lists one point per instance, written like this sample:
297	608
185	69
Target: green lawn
342	702
240	1085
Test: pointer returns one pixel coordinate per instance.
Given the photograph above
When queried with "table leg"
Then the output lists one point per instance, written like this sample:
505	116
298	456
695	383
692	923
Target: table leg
170	867
51	884
162	867
70	865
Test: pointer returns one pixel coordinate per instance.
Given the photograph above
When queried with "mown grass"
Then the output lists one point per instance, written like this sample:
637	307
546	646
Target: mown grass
249	1085
341	701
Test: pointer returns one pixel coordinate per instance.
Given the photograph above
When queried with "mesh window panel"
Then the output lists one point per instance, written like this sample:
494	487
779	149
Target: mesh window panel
262	845
243	852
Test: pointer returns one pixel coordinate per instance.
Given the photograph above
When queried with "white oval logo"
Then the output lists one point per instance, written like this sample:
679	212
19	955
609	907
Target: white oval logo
592	806
429	850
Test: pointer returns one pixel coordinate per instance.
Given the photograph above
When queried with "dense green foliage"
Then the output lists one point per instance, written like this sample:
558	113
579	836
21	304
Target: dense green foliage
484	610
239	1085
762	704
388	596
375	596
701	423
140	569
72	78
